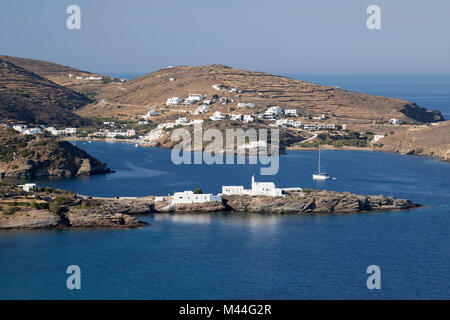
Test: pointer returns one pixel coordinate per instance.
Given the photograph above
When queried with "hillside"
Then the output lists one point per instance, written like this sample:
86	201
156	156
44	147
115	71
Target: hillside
29	98
28	156
433	141
263	89
49	70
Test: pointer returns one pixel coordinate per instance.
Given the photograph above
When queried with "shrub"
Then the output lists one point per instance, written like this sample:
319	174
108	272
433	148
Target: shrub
198	191
11	211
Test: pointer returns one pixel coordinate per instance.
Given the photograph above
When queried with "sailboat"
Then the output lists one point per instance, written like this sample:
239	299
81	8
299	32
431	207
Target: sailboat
320	175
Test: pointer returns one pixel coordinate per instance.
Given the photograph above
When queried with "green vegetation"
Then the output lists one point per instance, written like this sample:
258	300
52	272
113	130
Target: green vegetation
198	191
351	138
11	211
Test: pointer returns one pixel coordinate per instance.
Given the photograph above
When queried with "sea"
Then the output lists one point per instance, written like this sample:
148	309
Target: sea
252	256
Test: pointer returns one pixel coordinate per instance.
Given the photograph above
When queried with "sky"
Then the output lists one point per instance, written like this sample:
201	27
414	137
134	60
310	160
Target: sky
277	36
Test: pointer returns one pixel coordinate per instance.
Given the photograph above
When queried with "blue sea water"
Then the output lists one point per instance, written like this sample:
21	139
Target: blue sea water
248	256
244	256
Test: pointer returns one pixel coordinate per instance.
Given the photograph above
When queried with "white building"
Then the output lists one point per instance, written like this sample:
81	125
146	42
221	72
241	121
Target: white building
395	121
191	197
109	123
258	189
309	127
246	105
198	121
378	137
322	117
174	101
194	97
32	131
218	87
70	130
131	133
274	110
297	124
20	128
290	113
27	186
248	118
153	135
217	116
181	121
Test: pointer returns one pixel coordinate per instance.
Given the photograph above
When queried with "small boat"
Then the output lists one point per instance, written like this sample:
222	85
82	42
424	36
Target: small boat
136	145
321	175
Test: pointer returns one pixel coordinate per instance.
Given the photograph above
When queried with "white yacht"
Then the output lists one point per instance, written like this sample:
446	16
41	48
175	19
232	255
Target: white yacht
321	175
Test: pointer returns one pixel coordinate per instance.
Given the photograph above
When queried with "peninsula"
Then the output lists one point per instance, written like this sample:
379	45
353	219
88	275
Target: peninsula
31	207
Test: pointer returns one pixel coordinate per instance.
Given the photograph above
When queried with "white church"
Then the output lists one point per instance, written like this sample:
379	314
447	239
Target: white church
258	189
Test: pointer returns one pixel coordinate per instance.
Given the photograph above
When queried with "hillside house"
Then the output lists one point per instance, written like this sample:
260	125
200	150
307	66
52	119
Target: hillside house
174	101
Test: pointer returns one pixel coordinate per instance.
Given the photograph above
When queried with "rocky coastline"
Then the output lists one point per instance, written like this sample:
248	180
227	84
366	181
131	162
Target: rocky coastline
45	208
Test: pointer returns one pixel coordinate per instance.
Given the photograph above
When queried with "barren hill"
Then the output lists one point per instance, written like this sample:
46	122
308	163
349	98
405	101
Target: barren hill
30	98
49	70
260	88
431	141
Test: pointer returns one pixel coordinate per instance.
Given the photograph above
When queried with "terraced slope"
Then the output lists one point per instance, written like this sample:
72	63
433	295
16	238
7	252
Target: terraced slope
29	98
260	88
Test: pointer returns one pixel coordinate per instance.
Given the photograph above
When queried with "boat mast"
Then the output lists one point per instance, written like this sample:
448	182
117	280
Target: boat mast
319	158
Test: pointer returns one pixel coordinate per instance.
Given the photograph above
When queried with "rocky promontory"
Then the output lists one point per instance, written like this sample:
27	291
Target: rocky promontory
48	208
43	155
316	202
45	208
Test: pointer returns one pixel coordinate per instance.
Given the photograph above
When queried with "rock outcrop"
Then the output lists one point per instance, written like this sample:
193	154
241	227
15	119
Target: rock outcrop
432	141
31	156
316	202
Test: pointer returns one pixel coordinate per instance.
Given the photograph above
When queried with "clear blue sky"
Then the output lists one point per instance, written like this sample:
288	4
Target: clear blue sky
283	36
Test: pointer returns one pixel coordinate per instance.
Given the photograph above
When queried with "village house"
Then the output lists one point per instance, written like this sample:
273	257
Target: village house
32	131
70	131
109	123
321	117
248	118
290	112
395	121
27	187
181	121
194	97
245	105
153	135
378	137
174	101
331	126
20	128
142	122
297	124
218	87
274	110
186	197
217	116
310	127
